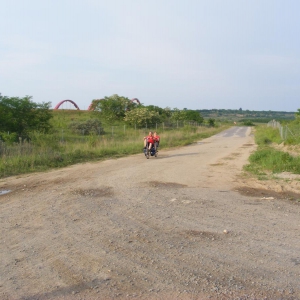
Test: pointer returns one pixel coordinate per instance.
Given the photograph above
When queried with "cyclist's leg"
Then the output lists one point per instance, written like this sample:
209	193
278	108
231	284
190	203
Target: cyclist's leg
147	149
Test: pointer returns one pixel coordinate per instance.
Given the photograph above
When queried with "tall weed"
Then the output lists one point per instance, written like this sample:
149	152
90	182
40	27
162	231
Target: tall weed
266	135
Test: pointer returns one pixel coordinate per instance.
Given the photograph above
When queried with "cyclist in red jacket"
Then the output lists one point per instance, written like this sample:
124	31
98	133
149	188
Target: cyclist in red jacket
148	141
156	140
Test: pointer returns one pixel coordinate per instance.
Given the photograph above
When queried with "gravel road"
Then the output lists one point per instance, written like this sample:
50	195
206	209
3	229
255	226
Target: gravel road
179	226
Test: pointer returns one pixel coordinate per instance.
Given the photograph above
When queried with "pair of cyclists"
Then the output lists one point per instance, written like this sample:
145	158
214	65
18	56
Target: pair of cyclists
152	139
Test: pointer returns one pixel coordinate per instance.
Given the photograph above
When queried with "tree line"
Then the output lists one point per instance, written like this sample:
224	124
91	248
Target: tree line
123	109
21	116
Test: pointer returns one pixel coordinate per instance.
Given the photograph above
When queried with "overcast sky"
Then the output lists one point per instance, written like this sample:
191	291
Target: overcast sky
195	54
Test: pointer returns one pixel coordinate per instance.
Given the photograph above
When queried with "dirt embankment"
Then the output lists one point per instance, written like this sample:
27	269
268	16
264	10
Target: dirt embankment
185	225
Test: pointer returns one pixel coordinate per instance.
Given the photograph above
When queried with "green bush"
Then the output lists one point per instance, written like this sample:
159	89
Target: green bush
9	138
248	123
91	126
211	122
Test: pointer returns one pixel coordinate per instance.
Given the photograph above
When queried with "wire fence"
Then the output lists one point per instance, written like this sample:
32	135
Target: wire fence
112	130
286	132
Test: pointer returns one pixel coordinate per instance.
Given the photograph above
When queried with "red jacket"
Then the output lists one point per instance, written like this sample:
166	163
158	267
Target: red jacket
149	139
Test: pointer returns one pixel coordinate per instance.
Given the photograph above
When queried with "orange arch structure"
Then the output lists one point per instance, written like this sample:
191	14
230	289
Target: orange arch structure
71	101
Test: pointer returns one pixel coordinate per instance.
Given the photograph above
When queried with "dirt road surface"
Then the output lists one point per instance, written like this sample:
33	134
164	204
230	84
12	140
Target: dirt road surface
184	225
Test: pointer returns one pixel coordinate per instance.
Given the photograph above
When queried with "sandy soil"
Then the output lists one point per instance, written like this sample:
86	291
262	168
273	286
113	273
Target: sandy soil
185	225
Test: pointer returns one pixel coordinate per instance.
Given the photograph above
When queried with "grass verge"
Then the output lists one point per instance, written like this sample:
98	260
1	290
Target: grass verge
266	159
46	152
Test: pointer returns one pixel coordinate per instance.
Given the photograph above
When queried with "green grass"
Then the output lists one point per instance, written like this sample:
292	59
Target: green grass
266	135
275	161
266	159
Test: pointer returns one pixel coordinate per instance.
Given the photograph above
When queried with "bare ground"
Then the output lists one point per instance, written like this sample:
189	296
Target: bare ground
186	225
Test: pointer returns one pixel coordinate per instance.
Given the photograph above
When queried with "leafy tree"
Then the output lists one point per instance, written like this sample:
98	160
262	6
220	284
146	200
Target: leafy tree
168	112
193	115
187	115
142	116
164	113
21	116
114	107
178	115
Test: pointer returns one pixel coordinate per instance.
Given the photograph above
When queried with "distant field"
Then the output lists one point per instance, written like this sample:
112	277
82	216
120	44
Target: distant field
240	115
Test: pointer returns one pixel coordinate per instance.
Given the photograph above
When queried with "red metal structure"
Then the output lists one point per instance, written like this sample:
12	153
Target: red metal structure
93	104
71	101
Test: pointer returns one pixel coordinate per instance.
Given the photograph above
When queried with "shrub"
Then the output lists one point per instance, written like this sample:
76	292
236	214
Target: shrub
91	126
9	138
211	122
248	123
